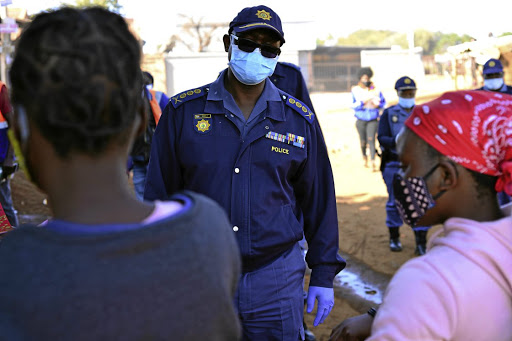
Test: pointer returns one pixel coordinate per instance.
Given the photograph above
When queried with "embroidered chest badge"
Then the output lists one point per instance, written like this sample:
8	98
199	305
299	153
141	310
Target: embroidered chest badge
202	123
289	138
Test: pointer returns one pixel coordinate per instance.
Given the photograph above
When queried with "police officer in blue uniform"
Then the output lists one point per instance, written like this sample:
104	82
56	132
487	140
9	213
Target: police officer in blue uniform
493	77
260	154
493	81
390	124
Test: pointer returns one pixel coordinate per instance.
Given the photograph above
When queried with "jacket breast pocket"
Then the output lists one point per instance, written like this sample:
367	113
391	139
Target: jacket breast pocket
282	157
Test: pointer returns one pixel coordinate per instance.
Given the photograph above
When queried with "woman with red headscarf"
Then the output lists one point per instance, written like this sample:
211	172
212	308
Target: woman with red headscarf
456	152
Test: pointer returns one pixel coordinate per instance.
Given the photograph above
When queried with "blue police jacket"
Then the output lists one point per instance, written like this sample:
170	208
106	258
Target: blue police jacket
288	77
390	124
275	183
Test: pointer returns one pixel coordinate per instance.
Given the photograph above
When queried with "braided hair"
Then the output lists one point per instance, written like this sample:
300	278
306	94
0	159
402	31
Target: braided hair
77	74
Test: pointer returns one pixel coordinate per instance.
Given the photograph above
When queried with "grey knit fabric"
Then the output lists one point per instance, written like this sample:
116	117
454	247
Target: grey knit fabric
170	280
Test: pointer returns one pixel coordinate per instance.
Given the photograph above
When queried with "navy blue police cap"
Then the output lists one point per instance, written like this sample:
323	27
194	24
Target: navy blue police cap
405	83
251	18
492	66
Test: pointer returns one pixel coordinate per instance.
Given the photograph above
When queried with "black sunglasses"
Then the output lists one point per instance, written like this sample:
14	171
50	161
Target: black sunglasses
248	45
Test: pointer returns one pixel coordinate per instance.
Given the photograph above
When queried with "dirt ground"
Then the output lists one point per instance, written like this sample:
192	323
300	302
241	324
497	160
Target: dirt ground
361	198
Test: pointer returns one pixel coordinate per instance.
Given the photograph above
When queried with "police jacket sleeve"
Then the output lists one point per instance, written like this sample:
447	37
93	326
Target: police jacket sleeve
315	194
384	134
164	176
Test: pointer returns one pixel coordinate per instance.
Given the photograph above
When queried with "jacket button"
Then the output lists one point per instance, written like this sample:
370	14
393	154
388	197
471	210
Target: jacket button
237	170
235	228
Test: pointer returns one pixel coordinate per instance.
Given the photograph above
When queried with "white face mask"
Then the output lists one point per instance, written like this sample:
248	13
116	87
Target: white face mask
493	84
406	102
250	68
149	86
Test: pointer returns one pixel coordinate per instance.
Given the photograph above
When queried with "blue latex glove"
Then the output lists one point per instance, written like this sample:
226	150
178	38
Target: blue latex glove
325	298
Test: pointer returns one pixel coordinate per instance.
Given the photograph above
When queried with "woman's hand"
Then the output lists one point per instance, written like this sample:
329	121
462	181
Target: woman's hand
353	329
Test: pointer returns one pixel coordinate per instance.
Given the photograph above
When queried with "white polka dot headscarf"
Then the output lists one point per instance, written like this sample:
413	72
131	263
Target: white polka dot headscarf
473	128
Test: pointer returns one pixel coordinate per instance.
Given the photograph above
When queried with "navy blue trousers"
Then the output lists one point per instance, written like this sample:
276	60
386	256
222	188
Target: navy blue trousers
270	299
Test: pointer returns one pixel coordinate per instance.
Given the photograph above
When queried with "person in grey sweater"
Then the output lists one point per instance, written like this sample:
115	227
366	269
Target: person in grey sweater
106	266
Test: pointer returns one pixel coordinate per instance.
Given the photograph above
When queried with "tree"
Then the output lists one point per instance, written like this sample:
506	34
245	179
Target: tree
112	5
450	39
201	33
374	38
431	42
426	40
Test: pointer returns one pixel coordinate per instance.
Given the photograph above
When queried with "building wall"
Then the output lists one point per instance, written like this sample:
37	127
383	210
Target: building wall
389	65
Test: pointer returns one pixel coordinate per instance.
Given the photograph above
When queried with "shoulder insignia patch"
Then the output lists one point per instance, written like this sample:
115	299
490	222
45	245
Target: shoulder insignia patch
299	107
186	96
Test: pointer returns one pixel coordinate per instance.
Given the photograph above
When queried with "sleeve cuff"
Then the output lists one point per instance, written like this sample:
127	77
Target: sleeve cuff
323	276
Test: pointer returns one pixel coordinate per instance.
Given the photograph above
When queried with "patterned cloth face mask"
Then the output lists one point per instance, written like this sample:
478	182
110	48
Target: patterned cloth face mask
412	197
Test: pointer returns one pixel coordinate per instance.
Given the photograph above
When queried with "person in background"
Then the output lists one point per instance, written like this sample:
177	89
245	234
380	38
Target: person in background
260	153
138	159
367	101
390	124
7	158
455	153
494	81
139	156
106	266
289	78
156	98
494	77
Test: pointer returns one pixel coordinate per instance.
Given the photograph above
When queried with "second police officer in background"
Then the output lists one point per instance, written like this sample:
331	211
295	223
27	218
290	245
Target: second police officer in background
288	77
260	154
390	124
493	77
494	81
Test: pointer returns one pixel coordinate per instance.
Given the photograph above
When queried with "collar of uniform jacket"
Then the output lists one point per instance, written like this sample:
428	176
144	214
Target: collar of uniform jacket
275	105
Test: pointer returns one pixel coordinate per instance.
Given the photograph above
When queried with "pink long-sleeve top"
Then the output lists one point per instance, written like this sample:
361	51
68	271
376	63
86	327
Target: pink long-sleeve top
460	290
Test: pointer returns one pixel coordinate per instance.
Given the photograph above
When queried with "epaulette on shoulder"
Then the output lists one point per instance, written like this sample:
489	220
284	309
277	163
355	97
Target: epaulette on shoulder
188	95
299	107
296	67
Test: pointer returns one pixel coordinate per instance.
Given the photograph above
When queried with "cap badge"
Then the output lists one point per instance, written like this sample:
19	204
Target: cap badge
492	63
407	81
263	15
